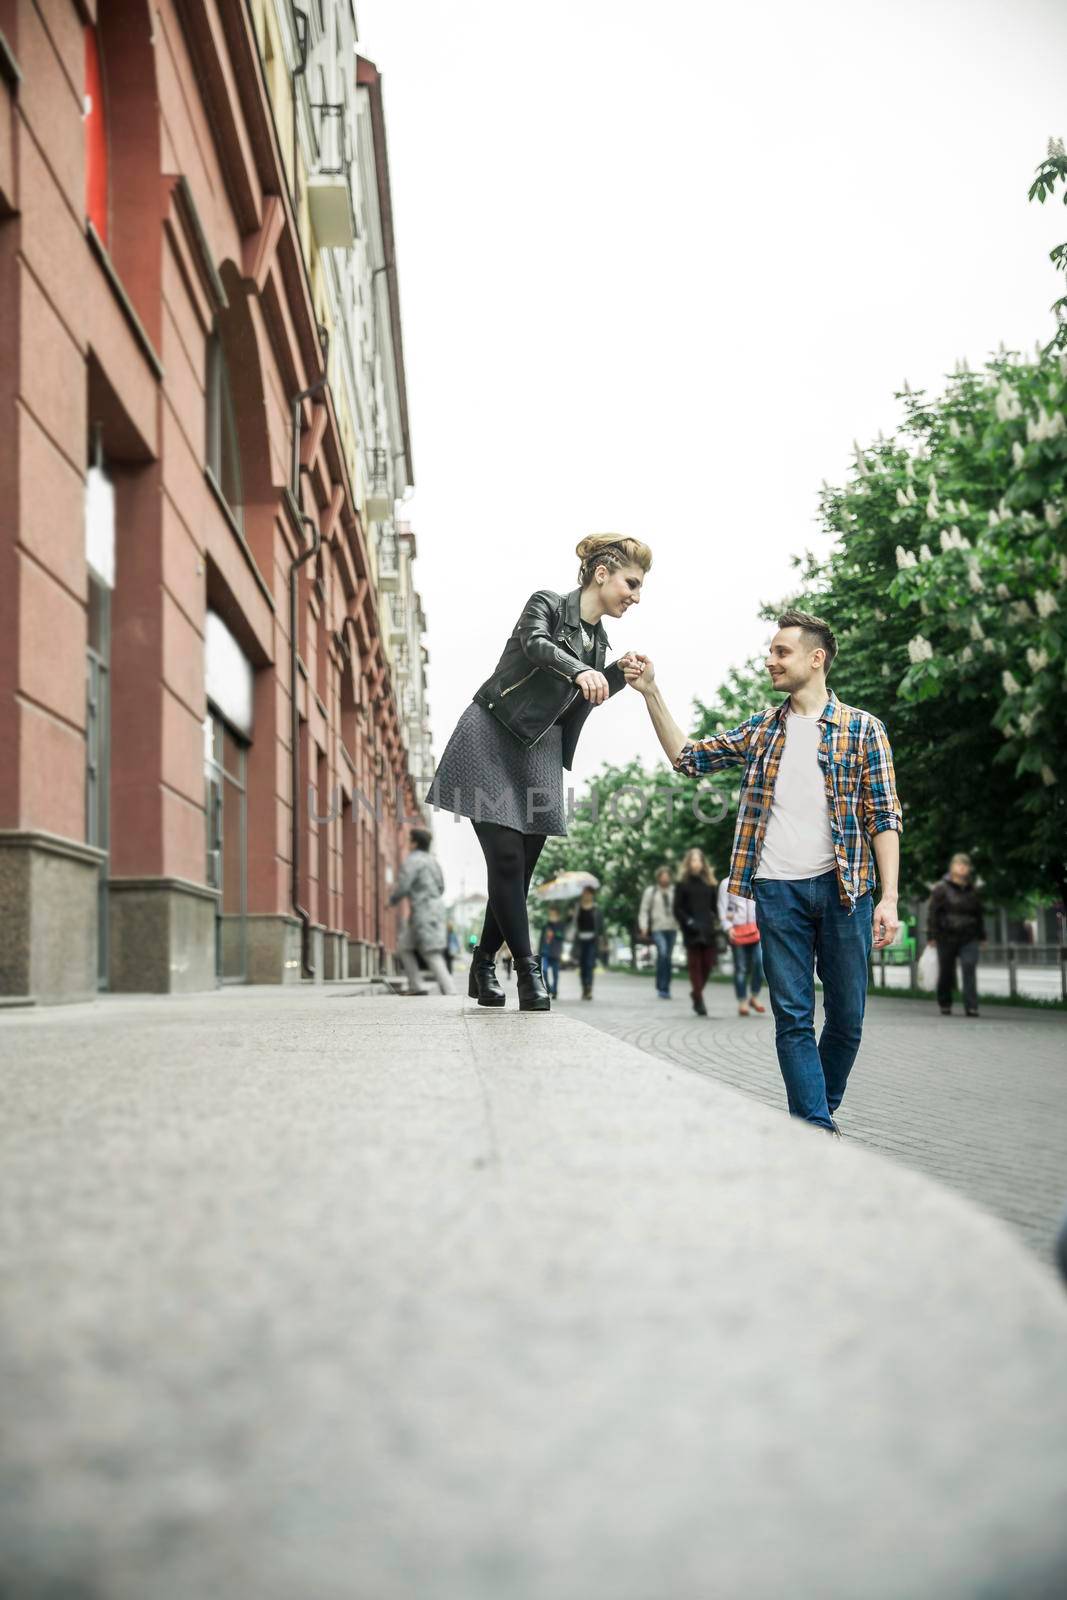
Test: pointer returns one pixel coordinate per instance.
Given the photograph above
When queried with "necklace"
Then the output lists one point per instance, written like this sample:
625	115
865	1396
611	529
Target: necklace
587	638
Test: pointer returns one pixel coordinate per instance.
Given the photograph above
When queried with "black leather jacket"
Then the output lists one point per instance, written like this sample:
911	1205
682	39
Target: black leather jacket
534	678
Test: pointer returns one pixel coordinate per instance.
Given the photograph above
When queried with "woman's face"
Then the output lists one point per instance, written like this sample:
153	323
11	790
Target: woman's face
695	861
620	590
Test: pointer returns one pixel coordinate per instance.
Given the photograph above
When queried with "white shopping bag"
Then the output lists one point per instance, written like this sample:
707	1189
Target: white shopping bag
927	969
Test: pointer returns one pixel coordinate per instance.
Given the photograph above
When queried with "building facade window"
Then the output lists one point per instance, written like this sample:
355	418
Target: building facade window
226	824
221	452
96	153
97	751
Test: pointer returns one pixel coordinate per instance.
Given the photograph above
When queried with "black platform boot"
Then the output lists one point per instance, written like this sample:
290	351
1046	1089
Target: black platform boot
533	996
483	984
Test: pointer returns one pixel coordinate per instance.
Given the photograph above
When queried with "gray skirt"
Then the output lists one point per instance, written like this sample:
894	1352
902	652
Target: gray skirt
486	774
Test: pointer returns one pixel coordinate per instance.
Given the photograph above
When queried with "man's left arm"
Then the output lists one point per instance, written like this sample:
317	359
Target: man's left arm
883	823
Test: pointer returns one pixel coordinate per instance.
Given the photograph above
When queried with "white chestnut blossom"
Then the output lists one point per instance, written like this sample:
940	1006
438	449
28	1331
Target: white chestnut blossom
994	520
976	629
1007	404
1018	455
1003	592
1063	569
1036	660
1048	777
905	558
1046	603
1011	686
974	580
1026	722
964	509
920	649
925	553
989	647
902	499
1053	515
966	654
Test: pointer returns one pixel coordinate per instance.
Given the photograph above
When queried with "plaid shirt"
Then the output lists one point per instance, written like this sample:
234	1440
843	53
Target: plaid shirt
857	769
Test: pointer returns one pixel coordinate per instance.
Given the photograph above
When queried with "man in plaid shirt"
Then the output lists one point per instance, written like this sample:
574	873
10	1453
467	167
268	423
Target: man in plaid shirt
818	808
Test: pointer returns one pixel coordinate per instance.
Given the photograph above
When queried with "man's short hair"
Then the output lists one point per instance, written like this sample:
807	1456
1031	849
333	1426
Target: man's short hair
819	632
421	838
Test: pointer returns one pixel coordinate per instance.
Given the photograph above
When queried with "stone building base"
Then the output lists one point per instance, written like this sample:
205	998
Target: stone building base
334	956
161	936
272	948
48	917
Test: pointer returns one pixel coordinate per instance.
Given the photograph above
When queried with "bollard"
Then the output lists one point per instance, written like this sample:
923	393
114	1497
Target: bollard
1013	988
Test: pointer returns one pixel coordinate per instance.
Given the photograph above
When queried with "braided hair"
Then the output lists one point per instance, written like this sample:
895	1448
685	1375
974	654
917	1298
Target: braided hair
610	550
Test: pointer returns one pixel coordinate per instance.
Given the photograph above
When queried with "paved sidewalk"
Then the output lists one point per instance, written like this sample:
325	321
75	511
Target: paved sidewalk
980	1105
349	1299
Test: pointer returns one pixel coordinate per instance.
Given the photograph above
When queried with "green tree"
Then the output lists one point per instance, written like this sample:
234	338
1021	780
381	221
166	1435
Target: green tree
944	581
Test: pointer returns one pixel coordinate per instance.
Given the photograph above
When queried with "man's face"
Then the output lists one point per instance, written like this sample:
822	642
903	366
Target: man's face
664	879
791	661
959	871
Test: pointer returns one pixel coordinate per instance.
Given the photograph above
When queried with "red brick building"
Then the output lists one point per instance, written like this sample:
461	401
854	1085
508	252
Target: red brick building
164	322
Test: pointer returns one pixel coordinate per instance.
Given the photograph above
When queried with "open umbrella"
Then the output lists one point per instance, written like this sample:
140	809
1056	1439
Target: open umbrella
568	886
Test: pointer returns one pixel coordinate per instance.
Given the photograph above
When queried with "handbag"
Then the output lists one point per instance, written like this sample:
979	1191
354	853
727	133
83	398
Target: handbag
745	933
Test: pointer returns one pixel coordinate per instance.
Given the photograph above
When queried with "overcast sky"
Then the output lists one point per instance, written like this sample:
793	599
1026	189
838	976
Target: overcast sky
660	264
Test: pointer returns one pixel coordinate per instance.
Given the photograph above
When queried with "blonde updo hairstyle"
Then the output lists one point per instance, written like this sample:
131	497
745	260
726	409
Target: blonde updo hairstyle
610	550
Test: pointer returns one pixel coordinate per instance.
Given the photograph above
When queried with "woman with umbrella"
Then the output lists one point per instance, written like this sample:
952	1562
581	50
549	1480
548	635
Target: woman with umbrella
503	765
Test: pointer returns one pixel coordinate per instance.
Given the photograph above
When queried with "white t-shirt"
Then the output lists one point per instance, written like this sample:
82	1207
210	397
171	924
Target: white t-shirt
798	843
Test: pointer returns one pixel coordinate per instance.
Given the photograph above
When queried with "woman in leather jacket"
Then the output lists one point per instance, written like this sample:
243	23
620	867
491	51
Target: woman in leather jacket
503	764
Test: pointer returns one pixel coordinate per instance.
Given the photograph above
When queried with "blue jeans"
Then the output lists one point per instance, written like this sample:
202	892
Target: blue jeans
550	973
664	943
748	969
803	925
586	961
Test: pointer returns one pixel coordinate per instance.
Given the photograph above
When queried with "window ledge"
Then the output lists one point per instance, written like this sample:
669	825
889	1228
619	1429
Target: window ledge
238	533
100	251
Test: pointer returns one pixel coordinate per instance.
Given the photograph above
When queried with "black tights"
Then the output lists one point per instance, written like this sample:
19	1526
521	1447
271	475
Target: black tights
510	858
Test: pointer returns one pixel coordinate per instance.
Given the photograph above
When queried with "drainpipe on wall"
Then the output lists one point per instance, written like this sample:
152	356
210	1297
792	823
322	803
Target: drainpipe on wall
307	966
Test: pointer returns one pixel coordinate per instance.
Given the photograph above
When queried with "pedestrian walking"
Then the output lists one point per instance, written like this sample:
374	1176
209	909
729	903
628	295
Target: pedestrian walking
656	921
588	933
503	764
695	913
421	882
507	961
818	809
955	924
738	916
451	947
550	950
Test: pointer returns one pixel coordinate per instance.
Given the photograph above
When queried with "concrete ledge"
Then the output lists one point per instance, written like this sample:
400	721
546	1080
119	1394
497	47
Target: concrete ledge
48	916
408	1300
161	935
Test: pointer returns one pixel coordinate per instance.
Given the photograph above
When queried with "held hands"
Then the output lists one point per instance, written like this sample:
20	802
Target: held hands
638	671
595	686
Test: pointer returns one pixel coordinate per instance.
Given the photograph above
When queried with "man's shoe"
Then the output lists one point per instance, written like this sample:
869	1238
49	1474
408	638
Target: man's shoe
946	1011
533	996
483	984
970	1013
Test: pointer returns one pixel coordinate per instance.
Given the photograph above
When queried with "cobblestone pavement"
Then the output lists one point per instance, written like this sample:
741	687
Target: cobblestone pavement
979	1105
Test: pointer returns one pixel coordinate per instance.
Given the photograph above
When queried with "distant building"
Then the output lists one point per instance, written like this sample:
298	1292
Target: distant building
203	371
